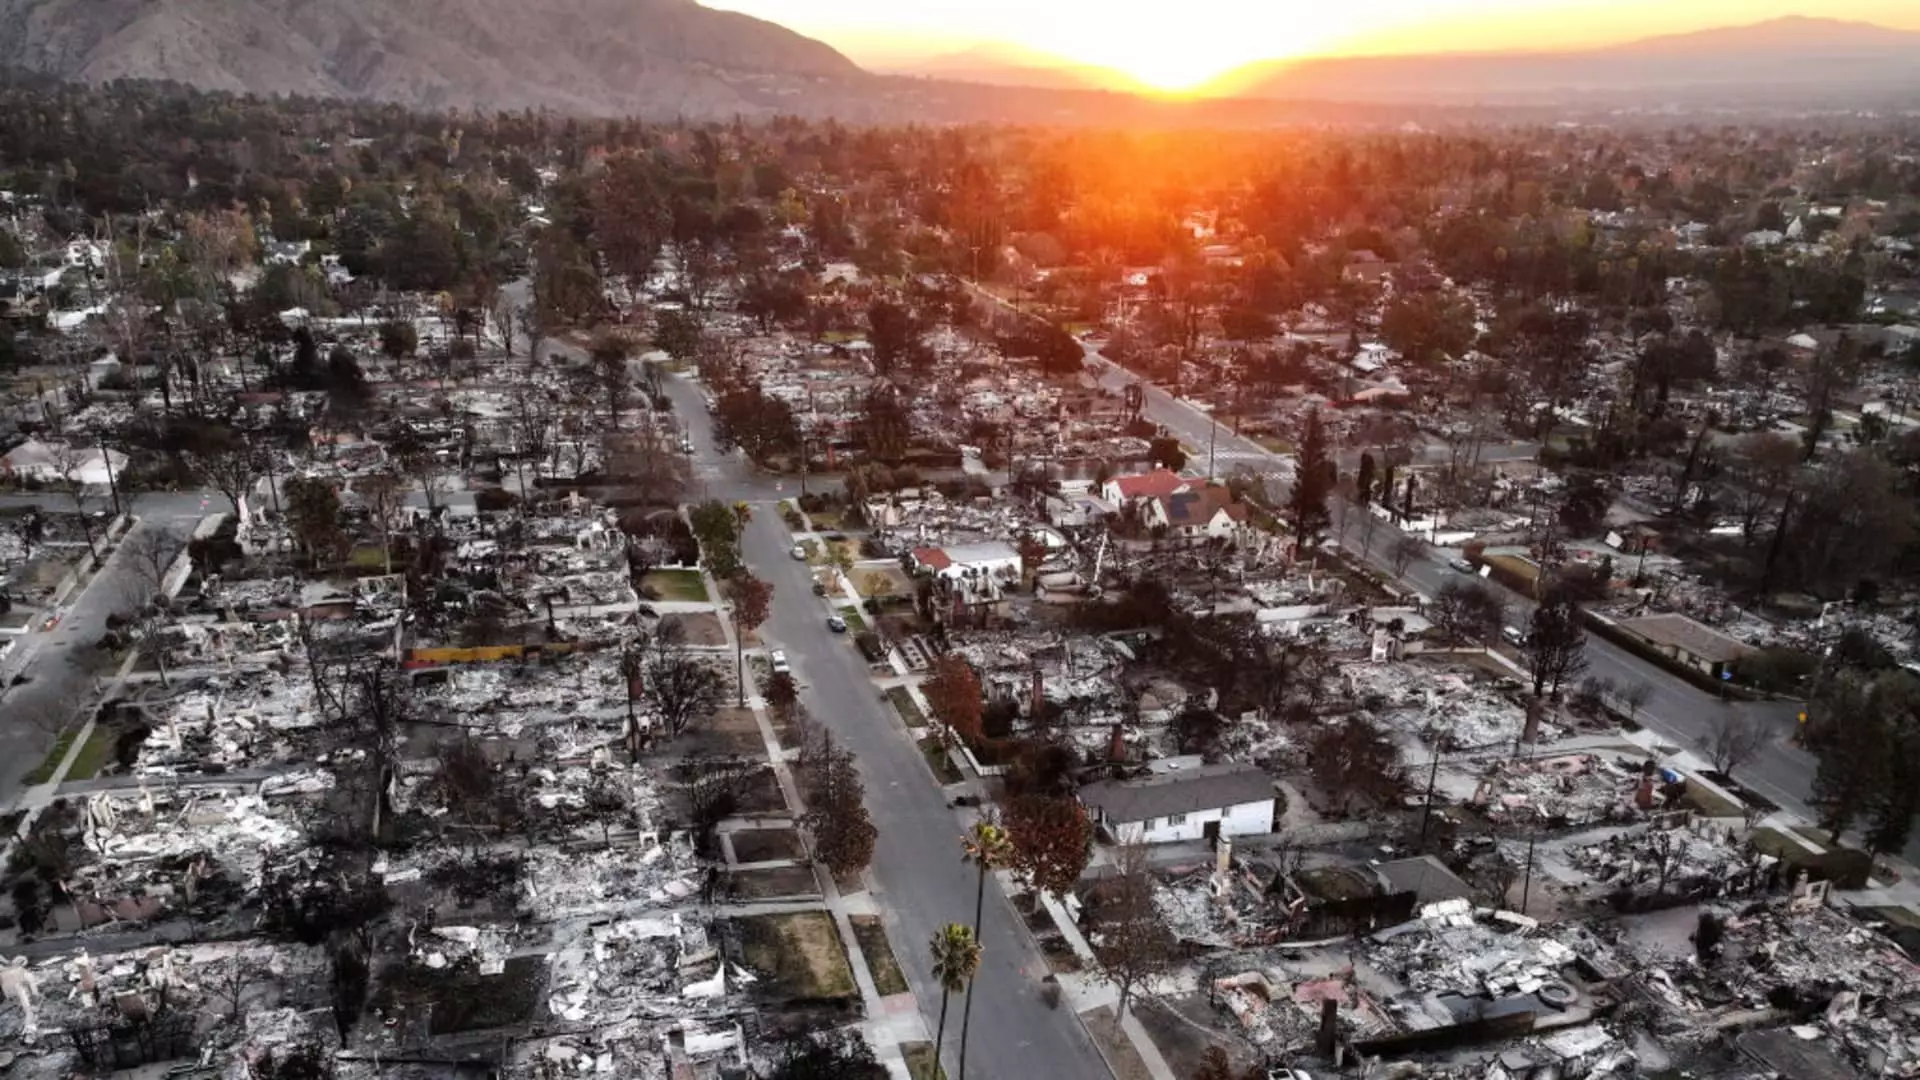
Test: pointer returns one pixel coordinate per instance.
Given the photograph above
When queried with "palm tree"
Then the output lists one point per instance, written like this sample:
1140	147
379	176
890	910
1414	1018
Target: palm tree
956	956
987	847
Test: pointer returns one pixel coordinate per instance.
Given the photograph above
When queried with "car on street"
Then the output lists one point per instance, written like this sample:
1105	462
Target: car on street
1462	565
778	658
800	552
836	624
1514	635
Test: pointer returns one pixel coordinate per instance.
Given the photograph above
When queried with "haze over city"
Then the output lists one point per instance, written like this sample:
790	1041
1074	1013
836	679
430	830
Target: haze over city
1182	47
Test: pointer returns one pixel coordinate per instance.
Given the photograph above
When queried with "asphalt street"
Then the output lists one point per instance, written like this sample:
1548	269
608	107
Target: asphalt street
1676	709
918	876
58	683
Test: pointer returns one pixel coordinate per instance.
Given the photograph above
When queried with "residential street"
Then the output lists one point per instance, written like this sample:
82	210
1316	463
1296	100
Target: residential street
919	880
1678	710
58	685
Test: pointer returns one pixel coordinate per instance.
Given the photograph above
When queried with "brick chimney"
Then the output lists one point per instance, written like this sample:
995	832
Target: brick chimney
1329	1033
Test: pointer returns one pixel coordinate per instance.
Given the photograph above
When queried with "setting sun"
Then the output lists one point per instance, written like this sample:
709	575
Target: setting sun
1185	48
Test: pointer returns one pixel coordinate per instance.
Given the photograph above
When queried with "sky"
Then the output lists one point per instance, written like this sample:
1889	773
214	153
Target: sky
1180	45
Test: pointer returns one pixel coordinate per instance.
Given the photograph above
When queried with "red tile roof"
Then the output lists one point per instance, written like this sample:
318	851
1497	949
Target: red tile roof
1157	484
932	558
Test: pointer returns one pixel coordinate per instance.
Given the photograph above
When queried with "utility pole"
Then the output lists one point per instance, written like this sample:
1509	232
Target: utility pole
113	486
1526	888
1426	811
1213	440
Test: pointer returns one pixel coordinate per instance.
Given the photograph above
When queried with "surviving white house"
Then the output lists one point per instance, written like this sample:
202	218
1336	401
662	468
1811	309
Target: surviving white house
992	559
1184	802
1207	513
1158	484
52	462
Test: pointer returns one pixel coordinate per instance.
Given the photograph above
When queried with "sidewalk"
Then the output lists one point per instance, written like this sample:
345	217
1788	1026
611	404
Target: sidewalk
890	1021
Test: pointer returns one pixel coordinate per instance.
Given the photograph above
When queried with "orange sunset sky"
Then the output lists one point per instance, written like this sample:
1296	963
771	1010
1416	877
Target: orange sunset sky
1183	44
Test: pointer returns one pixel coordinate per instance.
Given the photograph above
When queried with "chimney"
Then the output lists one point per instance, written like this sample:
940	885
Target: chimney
1532	733
1039	697
1117	747
1643	795
1329	1028
1223	856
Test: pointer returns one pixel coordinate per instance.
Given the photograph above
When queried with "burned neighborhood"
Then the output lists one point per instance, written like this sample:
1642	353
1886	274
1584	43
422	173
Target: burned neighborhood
504	595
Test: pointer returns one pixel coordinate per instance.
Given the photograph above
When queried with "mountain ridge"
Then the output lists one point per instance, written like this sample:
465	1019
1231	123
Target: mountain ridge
1794	57
645	57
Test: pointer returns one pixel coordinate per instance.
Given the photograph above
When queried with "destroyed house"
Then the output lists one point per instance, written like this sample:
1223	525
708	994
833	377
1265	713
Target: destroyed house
1189	804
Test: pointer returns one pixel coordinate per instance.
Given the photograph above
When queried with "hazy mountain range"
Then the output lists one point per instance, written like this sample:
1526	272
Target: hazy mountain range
664	58
996	63
596	56
1796	58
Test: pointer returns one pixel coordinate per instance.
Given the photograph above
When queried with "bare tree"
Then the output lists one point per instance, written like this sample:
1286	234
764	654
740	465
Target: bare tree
383	494
1736	737
1635	696
1469	611
147	624
223	457
231	981
686	691
69	461
1555	646
1131	945
1405	550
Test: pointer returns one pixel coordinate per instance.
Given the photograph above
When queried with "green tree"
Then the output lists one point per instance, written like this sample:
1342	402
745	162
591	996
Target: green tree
611	376
313	516
956	957
678	334
1307	513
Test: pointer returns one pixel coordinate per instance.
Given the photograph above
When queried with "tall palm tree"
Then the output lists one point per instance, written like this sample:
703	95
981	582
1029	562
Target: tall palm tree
987	847
956	956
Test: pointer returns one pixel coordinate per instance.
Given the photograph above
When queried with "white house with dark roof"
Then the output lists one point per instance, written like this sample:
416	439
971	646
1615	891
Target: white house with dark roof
1193	802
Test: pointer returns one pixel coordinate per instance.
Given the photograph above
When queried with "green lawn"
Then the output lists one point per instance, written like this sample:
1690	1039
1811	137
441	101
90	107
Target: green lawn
95	754
908	709
367	557
682	585
55	754
1274	443
856	623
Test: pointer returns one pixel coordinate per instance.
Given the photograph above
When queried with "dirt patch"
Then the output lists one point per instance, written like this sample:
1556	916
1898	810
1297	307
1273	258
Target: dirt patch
799	957
880	962
1114	1045
762	796
920	1061
882	581
730	732
940	761
1060	957
773	883
697	628
766	845
904	705
684	586
1181	1033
